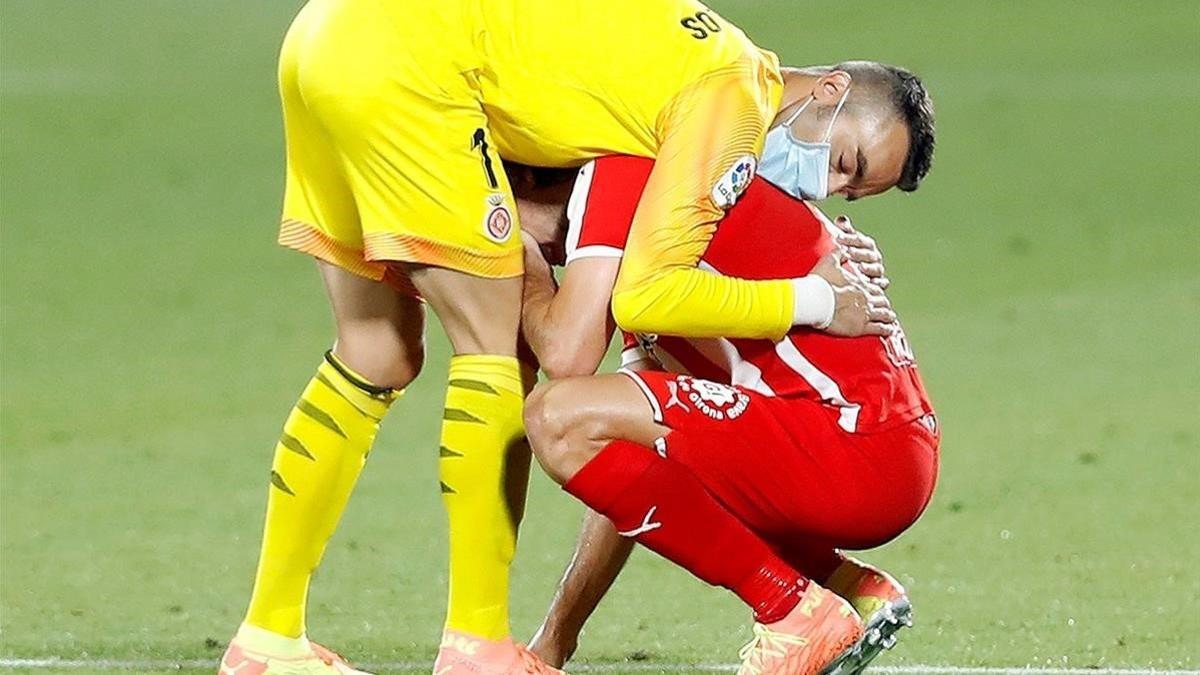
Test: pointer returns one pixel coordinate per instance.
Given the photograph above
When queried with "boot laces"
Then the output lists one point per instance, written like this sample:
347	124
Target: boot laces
765	646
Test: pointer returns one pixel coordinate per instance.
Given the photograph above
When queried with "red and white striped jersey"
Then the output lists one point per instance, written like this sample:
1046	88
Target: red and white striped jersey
868	383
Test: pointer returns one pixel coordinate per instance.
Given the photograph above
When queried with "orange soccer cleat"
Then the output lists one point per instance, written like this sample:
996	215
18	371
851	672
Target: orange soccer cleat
881	602
463	654
820	636
251	653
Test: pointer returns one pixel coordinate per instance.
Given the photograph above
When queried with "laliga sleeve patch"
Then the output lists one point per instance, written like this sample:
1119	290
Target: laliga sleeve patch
734	182
498	223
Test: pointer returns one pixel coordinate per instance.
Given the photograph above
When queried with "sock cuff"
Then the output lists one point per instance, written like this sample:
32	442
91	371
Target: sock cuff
354	378
268	642
368	398
600	482
472	370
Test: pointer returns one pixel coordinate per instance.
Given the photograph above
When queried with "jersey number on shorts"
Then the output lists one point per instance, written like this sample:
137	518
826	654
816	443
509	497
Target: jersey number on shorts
479	140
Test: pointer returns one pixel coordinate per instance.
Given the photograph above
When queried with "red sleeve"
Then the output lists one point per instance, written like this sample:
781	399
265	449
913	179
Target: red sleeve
600	211
769	235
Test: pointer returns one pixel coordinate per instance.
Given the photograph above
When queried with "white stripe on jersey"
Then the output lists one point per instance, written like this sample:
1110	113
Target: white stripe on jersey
577	206
656	410
825	386
791	356
595	251
723	354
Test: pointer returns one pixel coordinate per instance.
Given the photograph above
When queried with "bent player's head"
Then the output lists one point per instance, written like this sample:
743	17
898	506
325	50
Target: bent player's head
877	118
541	205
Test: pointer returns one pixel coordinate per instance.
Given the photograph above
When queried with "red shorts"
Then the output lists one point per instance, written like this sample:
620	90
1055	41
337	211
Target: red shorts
787	470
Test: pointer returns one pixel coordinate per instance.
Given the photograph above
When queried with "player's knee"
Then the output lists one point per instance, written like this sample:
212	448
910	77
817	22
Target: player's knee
561	431
383	358
547	425
540	423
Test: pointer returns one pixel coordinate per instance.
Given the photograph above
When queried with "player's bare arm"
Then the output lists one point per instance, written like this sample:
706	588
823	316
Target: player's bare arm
569	328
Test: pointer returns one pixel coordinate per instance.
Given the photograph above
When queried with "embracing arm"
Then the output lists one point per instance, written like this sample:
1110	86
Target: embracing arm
569	330
710	137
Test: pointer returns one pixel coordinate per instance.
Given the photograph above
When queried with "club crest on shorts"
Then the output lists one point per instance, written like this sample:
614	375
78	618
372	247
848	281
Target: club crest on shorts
498	223
735	181
713	399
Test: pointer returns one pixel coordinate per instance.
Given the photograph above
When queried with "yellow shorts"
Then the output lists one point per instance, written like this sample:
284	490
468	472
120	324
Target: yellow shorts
389	156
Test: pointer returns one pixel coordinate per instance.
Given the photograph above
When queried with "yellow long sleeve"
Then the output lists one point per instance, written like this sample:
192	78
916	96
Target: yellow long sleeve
710	128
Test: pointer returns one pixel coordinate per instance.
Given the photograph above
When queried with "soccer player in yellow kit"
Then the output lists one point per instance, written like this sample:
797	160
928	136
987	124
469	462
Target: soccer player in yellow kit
396	116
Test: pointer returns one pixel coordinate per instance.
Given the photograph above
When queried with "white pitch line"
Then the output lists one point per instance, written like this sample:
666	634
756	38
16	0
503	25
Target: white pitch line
136	665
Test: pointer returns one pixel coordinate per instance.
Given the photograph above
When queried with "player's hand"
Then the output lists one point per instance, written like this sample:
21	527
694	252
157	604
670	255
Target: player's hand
861	252
535	260
859	307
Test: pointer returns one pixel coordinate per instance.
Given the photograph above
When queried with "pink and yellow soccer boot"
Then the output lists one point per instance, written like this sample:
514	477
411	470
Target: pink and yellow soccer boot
254	651
819	636
463	654
881	602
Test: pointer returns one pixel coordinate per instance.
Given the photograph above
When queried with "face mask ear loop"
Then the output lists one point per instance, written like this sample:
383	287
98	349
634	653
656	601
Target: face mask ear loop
796	113
787	124
838	109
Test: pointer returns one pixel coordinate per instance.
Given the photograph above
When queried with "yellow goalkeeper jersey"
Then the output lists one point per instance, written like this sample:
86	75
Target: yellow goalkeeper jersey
559	82
563	82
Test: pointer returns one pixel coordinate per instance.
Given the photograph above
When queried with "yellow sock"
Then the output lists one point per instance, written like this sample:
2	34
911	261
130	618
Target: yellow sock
482	425
318	459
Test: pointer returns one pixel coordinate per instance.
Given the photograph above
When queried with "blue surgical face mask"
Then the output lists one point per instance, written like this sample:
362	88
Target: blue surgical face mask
799	168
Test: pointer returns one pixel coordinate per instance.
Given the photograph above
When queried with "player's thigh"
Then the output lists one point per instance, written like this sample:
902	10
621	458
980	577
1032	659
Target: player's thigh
320	216
416	150
480	315
380	331
735	443
431	191
590	412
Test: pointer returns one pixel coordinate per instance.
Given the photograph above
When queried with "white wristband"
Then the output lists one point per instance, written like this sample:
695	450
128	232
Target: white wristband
812	302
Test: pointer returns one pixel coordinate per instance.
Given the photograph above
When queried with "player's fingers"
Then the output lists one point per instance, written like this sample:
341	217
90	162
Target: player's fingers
881	315
876	328
871	270
882	282
856	240
863	255
843	223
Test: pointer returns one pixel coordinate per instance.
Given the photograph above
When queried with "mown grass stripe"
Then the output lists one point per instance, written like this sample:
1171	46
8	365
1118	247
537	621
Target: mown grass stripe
646	667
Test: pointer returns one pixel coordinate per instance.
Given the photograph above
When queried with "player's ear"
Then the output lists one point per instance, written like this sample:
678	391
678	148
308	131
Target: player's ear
829	87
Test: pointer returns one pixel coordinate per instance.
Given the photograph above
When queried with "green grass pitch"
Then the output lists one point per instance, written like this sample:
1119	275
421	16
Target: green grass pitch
154	338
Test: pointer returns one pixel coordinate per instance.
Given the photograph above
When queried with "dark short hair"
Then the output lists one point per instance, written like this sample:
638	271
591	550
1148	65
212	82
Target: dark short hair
904	92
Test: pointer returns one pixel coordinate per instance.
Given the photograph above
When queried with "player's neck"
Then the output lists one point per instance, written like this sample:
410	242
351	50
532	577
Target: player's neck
797	85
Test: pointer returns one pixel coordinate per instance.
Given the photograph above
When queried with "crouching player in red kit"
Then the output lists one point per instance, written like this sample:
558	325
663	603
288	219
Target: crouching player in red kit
755	468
